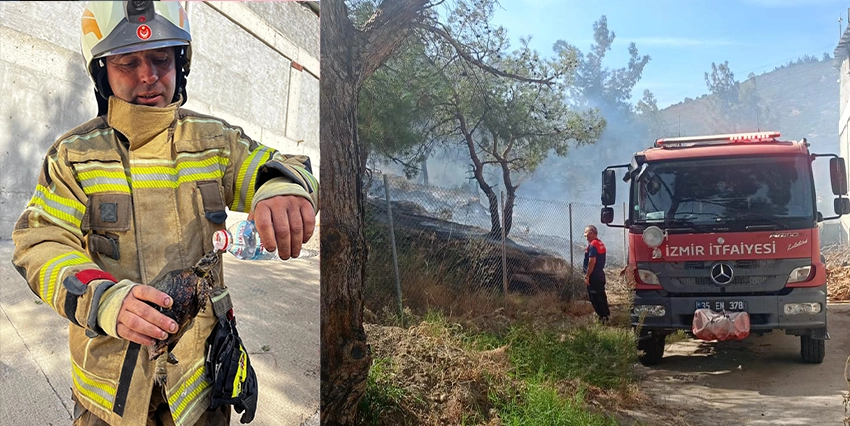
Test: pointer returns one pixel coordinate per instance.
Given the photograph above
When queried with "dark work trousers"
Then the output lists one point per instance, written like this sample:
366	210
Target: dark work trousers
598	298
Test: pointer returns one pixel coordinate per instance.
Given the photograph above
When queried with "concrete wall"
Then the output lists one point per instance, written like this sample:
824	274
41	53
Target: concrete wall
255	65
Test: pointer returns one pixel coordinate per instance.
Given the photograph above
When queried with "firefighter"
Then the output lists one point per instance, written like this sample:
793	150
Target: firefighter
594	273
139	191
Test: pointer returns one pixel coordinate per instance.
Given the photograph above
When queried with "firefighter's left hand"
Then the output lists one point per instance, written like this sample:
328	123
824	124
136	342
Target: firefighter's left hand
284	223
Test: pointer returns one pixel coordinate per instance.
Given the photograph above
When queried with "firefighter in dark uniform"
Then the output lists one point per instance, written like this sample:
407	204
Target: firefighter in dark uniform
594	273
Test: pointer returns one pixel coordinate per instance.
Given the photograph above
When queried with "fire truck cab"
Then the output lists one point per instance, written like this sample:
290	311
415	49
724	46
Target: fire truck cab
726	223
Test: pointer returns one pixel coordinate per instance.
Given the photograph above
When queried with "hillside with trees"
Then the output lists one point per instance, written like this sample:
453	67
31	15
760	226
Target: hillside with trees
802	99
798	99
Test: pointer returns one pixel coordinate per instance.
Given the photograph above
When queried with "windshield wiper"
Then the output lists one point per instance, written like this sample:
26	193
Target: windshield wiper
773	222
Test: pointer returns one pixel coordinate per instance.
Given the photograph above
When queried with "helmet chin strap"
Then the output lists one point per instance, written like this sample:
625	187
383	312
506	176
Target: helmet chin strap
180	87
102	90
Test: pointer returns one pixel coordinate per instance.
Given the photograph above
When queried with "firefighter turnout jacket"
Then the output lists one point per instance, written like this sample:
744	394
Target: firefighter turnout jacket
121	200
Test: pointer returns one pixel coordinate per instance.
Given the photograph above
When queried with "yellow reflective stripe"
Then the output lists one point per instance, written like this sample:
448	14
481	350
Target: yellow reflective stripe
56	207
96	391
247	176
172	176
188	393
95	181
307	176
95	189
50	272
241	373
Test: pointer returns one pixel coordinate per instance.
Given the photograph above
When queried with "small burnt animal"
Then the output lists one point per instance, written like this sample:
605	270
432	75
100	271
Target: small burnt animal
189	289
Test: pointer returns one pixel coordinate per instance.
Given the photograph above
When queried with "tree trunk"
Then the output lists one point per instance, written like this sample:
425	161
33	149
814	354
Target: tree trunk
478	173
424	169
345	356
510	191
349	56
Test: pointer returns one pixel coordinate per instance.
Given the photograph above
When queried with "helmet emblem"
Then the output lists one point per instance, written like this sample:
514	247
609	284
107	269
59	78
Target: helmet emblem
721	273
143	32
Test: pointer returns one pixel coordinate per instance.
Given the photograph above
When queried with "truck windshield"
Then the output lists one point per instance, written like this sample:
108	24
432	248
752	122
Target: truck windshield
747	191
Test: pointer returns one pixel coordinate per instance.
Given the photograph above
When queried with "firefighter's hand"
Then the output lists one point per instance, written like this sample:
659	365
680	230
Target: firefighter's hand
140	322
284	223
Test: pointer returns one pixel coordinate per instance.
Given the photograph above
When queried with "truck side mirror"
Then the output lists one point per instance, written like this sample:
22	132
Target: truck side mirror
609	188
838	176
607	215
842	206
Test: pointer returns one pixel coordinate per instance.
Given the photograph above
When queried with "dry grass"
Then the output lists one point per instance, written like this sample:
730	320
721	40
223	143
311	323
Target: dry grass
837	272
445	384
444	381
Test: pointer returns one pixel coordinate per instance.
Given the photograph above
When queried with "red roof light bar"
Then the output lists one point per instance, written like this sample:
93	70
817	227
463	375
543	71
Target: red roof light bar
717	139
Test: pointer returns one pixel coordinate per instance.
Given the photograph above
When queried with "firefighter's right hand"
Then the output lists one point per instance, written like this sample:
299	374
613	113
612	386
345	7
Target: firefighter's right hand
140	322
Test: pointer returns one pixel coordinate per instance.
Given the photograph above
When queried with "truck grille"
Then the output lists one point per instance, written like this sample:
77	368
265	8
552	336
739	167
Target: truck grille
701	281
748	275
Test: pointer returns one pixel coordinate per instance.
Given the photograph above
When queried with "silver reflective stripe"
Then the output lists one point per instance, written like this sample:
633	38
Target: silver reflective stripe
95	391
193	387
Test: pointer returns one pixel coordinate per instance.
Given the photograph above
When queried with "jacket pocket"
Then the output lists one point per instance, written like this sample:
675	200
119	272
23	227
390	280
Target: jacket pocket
107	212
212	201
106	215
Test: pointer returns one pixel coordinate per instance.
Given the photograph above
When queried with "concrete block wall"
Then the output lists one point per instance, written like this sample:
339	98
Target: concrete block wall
255	65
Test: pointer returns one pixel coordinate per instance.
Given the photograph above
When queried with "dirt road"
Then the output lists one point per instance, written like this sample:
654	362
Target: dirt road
759	381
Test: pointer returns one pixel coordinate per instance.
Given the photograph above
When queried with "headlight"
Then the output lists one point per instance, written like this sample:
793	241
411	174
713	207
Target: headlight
802	308
650	310
653	236
648	277
800	274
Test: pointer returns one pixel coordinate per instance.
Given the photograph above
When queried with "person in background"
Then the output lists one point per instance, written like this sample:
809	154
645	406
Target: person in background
594	273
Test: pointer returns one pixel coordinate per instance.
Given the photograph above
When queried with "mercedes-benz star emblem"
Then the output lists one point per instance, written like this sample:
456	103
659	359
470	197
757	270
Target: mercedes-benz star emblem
721	273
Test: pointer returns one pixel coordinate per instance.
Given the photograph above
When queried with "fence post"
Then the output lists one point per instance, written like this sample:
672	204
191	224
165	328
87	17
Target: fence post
625	247
572	261
395	254
504	248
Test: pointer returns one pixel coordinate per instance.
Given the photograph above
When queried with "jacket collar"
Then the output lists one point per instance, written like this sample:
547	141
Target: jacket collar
140	123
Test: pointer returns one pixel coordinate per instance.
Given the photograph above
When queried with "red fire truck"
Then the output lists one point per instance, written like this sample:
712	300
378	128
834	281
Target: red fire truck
726	225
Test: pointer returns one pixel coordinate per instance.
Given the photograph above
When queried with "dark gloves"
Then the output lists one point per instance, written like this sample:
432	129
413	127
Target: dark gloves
229	368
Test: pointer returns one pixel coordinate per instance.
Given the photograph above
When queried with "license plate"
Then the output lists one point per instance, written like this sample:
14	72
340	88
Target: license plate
722	305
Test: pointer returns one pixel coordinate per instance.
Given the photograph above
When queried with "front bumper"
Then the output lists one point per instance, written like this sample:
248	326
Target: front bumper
766	312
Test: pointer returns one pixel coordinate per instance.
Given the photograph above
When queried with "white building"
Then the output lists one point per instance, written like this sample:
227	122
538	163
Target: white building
842	59
254	64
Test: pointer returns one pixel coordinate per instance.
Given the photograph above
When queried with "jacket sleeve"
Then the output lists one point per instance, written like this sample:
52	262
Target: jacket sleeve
49	246
252	165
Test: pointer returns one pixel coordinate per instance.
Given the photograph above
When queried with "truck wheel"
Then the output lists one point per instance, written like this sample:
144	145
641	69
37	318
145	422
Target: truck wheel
652	346
812	350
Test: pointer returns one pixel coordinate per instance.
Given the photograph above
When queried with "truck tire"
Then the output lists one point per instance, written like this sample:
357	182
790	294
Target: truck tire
652	346
812	350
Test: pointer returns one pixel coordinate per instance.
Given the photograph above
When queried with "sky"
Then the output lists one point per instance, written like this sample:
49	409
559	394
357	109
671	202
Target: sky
683	37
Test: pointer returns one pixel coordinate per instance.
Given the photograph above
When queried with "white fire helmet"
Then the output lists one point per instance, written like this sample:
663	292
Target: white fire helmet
118	27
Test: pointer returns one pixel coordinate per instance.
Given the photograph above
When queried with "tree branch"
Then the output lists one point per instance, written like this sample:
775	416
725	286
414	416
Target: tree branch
387	29
465	55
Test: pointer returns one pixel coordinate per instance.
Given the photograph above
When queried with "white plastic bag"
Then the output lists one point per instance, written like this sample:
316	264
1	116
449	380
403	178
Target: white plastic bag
711	325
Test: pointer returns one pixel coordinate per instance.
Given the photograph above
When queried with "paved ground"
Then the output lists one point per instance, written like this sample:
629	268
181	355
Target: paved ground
757	381
278	308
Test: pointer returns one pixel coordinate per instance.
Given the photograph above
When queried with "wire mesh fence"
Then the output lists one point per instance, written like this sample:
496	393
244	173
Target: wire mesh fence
441	248
449	252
